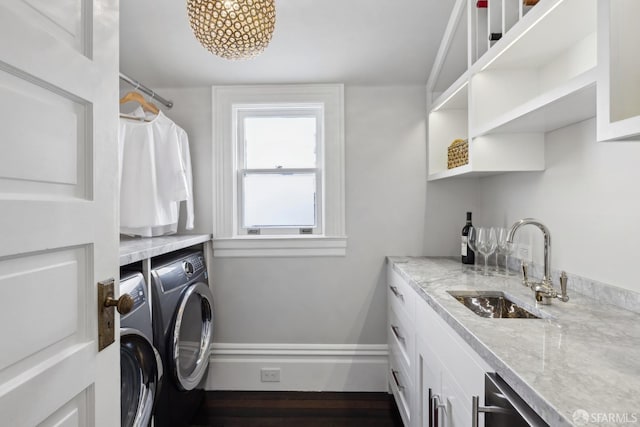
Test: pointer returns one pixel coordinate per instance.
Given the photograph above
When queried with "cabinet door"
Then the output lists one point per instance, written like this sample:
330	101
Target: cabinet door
428	384
448	367
456	401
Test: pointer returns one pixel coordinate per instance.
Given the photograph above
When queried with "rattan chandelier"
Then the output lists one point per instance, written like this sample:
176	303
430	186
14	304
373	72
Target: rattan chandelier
233	29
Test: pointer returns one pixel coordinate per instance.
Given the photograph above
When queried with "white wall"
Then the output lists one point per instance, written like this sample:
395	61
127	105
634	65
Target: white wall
326	300
589	198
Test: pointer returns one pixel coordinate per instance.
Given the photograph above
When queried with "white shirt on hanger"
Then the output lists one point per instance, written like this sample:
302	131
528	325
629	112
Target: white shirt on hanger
155	176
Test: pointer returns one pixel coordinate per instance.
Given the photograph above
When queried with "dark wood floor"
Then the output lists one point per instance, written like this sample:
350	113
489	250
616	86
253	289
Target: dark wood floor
292	409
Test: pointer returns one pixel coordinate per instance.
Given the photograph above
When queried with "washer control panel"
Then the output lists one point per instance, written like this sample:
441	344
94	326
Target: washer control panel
178	273
138	295
135	286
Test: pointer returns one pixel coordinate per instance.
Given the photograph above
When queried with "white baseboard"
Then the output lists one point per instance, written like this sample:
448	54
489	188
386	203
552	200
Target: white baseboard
303	367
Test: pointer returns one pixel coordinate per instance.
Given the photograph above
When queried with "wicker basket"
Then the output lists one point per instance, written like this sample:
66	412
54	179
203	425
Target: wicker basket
458	153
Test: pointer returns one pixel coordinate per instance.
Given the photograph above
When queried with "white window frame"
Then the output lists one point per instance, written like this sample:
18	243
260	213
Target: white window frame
241	112
228	242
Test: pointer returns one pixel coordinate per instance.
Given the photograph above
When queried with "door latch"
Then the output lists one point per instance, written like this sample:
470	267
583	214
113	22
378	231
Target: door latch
106	315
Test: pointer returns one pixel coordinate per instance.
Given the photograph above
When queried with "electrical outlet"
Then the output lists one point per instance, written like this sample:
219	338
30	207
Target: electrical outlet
270	375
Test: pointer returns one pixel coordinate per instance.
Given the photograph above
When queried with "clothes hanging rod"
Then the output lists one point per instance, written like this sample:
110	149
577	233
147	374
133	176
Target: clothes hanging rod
142	88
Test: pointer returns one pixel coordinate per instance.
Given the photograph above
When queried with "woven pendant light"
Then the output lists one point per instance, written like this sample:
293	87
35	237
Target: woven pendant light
233	29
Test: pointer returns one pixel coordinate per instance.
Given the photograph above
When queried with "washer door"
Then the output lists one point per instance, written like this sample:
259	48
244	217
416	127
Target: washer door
140	375
191	336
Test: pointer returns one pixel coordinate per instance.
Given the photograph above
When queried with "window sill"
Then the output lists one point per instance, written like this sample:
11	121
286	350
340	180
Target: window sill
287	246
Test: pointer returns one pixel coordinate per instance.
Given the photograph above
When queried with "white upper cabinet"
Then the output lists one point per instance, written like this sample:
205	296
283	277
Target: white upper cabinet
618	70
531	69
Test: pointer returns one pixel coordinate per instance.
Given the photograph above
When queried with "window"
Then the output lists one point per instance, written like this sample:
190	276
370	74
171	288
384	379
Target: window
278	171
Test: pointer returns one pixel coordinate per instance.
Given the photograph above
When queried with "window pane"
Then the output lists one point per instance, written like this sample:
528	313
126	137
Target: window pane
273	200
272	142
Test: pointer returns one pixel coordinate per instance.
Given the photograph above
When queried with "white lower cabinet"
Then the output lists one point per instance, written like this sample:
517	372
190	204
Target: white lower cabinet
449	372
433	386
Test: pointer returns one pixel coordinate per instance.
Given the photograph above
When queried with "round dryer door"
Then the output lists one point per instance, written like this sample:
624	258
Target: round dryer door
140	375
191	336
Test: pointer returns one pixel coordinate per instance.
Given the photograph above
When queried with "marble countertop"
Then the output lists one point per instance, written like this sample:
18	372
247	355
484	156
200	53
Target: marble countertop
585	356
134	249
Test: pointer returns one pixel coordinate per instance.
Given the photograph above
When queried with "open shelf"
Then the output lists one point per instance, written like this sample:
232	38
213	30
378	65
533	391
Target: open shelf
461	172
496	154
571	103
550	29
448	121
456	97
464	171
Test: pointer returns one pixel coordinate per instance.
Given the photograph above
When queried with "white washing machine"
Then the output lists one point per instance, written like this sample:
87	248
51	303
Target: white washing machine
140	363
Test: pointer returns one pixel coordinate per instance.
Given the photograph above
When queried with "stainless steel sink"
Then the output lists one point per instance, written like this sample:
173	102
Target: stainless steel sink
492	304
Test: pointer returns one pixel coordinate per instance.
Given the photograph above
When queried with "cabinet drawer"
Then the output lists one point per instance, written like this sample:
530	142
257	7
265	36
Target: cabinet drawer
401	338
401	296
402	389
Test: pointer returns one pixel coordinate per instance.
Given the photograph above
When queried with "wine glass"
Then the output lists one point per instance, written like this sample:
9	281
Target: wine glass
504	248
487	244
472	241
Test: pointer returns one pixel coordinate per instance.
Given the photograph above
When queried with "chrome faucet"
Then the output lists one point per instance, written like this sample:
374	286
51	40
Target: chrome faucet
544	292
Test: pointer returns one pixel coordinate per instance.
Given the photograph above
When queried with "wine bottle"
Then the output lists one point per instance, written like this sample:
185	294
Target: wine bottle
468	256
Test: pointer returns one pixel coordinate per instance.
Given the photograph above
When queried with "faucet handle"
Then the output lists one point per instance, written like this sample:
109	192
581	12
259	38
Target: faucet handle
563	287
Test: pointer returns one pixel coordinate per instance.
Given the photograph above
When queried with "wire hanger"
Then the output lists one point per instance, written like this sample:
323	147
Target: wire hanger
136	97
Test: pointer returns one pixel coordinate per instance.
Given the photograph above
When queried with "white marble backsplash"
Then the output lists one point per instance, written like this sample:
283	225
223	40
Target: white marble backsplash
607	294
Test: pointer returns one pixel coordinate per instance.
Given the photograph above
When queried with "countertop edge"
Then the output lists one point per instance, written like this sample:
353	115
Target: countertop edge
136	249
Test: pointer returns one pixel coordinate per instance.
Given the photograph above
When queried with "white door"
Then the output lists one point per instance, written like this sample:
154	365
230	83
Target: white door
58	210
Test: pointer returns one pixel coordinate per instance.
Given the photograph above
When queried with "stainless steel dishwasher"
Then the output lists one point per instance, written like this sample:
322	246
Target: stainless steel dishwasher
503	407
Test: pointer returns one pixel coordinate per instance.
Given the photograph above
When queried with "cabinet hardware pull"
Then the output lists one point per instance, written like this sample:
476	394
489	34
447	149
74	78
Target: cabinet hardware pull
434	408
395	378
396	332
430	414
476	409
396	292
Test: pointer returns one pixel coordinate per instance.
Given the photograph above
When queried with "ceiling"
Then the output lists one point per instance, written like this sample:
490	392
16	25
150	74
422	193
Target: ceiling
368	42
